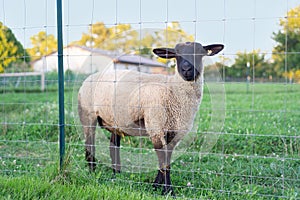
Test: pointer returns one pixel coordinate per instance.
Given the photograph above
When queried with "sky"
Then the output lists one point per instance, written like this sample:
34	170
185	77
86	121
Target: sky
241	25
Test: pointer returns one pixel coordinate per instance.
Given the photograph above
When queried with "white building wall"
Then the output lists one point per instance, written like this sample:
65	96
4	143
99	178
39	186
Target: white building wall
75	59
80	60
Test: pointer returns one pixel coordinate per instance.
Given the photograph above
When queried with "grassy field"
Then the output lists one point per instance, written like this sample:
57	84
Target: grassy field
256	156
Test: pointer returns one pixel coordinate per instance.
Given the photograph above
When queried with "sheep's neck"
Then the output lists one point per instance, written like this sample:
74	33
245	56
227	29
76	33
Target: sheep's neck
188	87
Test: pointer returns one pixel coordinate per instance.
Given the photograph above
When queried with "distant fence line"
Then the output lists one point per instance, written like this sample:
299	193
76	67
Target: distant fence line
24	74
50	79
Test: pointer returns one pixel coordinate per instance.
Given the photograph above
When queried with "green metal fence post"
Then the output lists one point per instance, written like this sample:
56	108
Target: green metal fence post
60	84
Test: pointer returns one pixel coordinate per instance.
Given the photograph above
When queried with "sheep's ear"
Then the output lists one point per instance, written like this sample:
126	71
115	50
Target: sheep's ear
165	52
213	49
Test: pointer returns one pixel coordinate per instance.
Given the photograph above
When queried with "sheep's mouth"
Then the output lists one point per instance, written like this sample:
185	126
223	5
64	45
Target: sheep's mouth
190	77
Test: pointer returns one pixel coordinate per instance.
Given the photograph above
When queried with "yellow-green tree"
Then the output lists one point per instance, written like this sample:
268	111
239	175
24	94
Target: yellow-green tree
292	21
96	36
172	35
42	45
11	50
120	37
292	75
285	54
125	39
169	37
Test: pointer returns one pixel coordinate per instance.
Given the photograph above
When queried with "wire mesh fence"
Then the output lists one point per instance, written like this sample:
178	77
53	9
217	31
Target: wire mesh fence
243	142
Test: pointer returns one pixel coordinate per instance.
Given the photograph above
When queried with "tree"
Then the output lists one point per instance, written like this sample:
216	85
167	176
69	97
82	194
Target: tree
124	39
292	75
120	37
244	63
286	52
95	37
11	50
43	45
172	35
168	37
221	65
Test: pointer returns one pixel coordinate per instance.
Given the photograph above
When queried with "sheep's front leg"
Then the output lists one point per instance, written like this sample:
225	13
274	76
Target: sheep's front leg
164	157
163	178
114	148
89	133
155	119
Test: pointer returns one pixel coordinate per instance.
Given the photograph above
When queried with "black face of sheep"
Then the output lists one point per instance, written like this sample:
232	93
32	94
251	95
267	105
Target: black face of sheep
187	70
189	57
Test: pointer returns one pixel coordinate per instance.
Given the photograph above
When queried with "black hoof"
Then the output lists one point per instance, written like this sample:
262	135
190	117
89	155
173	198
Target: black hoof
116	171
168	190
158	180
92	165
163	179
155	186
91	160
113	176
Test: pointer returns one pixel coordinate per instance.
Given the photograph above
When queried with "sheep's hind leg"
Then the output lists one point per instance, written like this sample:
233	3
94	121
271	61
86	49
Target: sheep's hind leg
114	148
90	146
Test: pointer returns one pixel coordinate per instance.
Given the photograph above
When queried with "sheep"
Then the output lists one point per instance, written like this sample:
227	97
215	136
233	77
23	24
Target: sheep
131	103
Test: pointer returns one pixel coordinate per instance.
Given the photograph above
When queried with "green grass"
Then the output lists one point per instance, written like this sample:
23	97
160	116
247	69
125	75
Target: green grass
256	156
45	187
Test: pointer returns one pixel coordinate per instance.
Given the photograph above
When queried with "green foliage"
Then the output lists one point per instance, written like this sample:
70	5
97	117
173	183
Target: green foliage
124	39
285	57
95	37
43	45
245	63
120	37
42	187
292	74
11	50
291	22
286	52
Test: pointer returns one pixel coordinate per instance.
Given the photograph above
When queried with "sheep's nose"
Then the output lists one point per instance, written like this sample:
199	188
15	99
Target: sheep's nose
186	66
